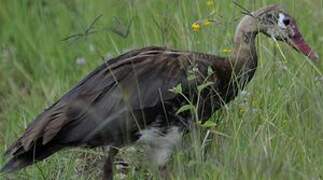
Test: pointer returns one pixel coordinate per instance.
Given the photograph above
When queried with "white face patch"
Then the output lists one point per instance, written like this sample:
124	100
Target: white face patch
281	21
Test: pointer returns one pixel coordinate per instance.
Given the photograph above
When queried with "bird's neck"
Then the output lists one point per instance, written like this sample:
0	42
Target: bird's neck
244	56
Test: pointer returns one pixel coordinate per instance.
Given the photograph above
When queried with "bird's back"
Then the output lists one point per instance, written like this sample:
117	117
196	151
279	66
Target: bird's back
123	96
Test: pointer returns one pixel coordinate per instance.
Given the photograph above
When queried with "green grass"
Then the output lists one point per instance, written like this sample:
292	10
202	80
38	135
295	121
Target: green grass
273	131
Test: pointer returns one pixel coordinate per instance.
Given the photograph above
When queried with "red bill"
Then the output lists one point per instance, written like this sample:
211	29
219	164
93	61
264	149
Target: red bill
298	42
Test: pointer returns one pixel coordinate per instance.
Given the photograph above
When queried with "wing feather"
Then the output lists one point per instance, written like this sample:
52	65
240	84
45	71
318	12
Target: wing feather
131	82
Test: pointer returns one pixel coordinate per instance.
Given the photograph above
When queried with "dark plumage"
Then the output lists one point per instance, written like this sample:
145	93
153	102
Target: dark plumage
129	98
122	96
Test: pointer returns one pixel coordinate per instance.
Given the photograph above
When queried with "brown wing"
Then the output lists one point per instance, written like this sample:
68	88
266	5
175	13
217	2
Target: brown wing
134	81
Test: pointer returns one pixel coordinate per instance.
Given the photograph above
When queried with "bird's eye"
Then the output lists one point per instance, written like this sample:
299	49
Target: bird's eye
286	22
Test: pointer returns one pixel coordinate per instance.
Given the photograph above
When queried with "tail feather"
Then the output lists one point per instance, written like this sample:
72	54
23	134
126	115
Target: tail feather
15	164
29	157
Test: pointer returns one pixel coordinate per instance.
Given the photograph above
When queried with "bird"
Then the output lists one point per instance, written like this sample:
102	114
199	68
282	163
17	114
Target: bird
137	96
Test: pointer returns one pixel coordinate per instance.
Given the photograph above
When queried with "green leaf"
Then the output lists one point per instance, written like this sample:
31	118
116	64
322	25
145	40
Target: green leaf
185	108
191	77
177	89
210	71
209	124
203	86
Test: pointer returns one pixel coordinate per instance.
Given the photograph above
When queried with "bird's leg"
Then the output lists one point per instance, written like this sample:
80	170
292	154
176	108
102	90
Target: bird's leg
108	165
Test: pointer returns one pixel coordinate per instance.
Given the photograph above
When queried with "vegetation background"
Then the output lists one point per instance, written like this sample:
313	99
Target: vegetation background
273	130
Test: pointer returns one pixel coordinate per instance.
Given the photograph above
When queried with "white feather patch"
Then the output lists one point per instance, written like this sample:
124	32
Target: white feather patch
160	145
281	21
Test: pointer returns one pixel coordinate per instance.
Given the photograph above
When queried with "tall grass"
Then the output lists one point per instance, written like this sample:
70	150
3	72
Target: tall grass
273	130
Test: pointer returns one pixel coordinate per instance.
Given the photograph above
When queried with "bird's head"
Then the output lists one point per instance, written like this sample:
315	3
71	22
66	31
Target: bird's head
274	22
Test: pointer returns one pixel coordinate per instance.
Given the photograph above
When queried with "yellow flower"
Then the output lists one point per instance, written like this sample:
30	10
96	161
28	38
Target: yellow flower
210	3
206	22
196	27
226	50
